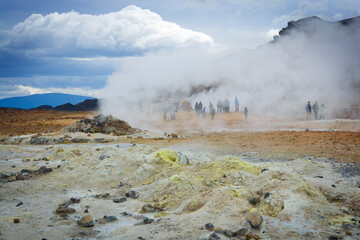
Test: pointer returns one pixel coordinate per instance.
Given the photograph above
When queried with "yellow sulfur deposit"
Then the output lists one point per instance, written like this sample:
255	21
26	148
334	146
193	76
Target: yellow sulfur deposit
342	219
237	164
168	155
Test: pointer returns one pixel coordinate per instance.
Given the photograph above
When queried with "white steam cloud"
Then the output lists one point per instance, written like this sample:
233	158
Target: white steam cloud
316	61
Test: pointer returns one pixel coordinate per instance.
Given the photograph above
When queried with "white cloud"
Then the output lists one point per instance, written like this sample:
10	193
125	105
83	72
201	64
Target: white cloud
130	30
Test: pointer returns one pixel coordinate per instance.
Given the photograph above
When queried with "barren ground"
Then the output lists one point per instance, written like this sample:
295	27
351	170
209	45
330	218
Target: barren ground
303	178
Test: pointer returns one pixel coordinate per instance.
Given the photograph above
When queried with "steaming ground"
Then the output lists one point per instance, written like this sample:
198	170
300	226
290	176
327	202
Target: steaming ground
301	177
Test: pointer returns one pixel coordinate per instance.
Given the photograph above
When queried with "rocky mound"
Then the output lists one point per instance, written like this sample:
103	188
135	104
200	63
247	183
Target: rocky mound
101	124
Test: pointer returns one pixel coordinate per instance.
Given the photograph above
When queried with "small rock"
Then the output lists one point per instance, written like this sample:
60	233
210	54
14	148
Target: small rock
86	221
228	233
65	210
241	232
254	201
264	170
20	177
19	204
149	208
250	235
110	218
148	220
16	220
348	233
86	211
333	185
213	236
119	200
103	195
254	219
75	200
141	238
43	170
335	237
267	195
218	230
104	157
132	194
209	227
319	176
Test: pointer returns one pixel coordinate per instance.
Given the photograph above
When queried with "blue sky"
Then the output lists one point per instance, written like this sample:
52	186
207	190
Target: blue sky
73	46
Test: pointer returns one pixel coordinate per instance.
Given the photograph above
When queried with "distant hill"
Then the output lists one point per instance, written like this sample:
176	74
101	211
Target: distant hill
87	105
43	100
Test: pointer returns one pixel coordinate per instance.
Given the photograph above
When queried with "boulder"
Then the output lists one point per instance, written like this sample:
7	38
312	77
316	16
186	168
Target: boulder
86	221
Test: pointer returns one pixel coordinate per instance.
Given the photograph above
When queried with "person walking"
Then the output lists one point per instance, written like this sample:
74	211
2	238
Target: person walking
236	104
246	113
212	111
315	108
203	113
308	111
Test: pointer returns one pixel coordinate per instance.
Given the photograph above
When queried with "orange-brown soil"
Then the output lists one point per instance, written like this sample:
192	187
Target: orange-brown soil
258	135
21	122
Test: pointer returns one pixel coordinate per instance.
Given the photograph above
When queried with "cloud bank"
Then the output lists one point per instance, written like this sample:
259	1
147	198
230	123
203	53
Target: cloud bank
129	31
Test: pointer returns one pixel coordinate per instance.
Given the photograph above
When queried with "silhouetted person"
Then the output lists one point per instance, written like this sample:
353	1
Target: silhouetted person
308	111
236	104
246	113
203	113
196	109
227	105
322	111
200	107
172	113
219	106
316	110
212	111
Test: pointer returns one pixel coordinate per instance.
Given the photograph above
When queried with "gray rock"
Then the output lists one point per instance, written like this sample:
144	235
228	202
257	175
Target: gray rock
43	170
132	194
209	227
86	221
119	200
110	218
183	159
254	219
39	141
104	157
148	220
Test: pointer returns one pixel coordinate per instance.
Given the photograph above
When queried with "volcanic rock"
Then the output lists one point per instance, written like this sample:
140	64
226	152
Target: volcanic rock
19	204
43	170
241	232
149	208
213	236
228	233
254	219
86	221
101	124
218	230
132	194
148	220
65	210
110	218
119	200
209	227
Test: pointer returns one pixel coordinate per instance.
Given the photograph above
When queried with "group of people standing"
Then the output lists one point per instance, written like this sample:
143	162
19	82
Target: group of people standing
222	106
316	109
